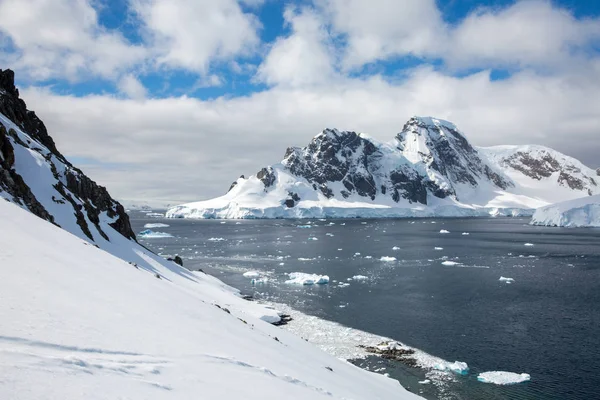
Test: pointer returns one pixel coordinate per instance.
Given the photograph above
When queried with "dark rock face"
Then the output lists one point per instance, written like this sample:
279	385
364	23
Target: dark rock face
451	155
545	166
335	156
177	260
267	176
86	197
234	184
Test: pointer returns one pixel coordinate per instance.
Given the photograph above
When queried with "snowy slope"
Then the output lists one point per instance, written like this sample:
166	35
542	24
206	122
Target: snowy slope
583	212
78	323
429	169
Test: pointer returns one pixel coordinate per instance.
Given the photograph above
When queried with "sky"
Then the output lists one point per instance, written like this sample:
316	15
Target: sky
169	101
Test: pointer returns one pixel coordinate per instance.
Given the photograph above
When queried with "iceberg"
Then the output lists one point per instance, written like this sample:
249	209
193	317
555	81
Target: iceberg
388	259
443	231
458	367
216	239
450	263
149	234
158	225
360	278
583	212
301	278
251	274
502	377
507	280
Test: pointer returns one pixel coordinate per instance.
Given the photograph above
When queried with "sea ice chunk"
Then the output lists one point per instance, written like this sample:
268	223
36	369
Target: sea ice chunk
301	278
528	244
360	278
465	233
458	367
395	248
502	377
507	280
385	258
450	263
158	225
438	248
251	274
216	239
444	231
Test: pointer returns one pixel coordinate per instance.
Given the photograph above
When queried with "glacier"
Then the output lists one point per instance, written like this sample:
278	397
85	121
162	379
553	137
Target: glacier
583	212
429	169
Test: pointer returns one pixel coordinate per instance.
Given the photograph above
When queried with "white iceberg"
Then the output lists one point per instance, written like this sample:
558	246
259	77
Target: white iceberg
216	239
529	244
360	278
502	377
444	231
158	225
301	278
465	233
438	248
458	367
388	259
450	263
395	248
149	234
507	280
251	274
582	212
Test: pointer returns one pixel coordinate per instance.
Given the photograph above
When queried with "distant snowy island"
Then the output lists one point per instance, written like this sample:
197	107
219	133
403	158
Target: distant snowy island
428	169
582	212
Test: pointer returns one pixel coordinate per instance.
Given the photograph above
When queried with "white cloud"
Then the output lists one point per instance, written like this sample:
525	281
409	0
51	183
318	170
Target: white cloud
191	34
63	39
305	57
379	29
529	33
132	87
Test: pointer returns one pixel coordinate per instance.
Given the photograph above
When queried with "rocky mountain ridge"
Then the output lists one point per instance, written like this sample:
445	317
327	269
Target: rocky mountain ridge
429	168
35	175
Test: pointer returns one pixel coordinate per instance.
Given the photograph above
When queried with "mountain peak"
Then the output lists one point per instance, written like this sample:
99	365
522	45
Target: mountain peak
430	122
7	82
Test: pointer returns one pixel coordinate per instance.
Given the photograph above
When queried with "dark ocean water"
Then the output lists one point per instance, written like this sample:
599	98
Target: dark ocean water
546	323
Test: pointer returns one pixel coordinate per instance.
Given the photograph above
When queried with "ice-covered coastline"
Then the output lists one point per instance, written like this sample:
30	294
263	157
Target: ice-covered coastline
583	212
235	211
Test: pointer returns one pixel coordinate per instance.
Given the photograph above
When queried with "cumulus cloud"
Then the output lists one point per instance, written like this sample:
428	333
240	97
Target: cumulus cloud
62	39
191	34
177	149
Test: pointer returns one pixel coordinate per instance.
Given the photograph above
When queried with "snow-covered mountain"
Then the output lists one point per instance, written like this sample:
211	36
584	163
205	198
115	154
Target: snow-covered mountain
89	313
583	212
429	169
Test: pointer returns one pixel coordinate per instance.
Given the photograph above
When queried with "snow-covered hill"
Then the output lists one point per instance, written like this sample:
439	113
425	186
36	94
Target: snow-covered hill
89	313
79	323
429	169
583	212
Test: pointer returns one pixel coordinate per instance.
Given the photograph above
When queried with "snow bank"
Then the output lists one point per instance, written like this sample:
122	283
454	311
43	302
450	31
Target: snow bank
584	212
102	328
301	278
150	234
502	377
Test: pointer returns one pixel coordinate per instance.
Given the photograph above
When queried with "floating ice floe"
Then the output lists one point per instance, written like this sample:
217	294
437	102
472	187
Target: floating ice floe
304	226
356	254
528	244
507	280
465	233
343	284
258	281
158	225
450	263
369	257
155	215
216	239
502	377
444	231
301	278
438	248
313	238
149	234
329	234
458	367
360	278
251	274
305	259
425	382
385	258
395	248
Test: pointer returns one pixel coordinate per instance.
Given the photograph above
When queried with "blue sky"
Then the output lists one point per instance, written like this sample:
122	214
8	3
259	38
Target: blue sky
179	85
